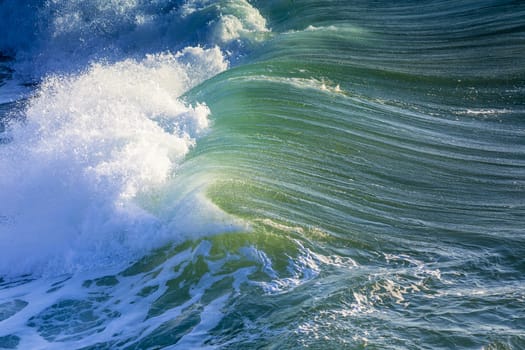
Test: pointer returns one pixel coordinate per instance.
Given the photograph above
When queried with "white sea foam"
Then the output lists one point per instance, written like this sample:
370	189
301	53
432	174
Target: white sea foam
91	144
65	35
236	20
121	310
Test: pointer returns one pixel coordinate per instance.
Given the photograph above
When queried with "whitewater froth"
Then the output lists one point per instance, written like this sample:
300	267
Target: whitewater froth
64	36
89	146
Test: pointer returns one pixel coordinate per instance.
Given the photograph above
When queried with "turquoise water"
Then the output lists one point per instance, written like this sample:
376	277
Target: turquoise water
262	174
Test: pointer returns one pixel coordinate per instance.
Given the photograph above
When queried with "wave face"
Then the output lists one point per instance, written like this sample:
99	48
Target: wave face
197	174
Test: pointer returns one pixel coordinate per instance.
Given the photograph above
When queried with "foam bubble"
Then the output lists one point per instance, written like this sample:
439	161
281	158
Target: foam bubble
91	144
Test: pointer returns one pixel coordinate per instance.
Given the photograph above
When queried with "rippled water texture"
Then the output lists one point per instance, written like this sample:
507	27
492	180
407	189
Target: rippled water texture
262	174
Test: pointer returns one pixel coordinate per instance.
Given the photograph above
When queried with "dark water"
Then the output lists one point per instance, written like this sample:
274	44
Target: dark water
263	174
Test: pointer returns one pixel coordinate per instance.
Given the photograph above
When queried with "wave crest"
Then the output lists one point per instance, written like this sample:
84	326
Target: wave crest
90	144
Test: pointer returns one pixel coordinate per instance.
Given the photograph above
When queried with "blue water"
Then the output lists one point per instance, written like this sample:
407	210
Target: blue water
262	174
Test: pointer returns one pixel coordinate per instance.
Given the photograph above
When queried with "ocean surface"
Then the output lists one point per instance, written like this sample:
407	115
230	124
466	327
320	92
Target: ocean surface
249	174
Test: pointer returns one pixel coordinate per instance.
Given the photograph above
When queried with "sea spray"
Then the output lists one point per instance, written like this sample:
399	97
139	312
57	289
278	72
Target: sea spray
88	145
63	36
374	149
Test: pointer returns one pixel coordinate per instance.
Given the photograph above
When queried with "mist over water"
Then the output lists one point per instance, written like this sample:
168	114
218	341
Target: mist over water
238	174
